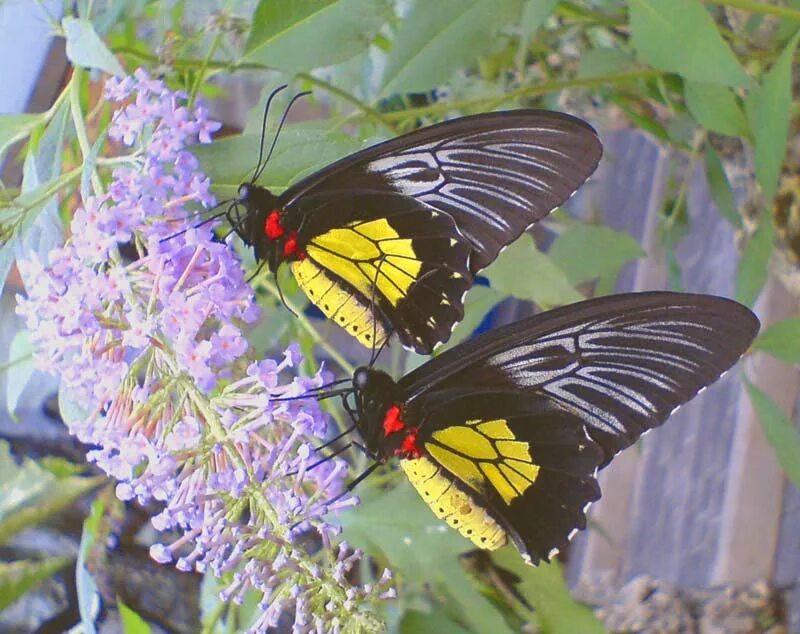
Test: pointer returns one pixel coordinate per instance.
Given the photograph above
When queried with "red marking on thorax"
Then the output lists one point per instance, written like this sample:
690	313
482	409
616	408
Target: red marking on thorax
409	449
392	422
272	226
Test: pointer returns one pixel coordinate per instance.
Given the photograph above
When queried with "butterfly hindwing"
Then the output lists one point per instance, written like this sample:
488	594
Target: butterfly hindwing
389	260
621	364
504	469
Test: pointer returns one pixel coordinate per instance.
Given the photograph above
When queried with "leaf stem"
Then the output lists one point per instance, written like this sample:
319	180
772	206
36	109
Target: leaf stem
77	120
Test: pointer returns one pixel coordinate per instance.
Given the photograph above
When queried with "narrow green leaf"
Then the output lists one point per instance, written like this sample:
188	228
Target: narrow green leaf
586	252
20	353
15	127
86	49
679	36
526	273
90	162
779	431
716	108
781	340
545	588
720	188
437	38
299	35
597	62
534	13
70	411
132	623
435	622
754	264
19	484
769	109
19	577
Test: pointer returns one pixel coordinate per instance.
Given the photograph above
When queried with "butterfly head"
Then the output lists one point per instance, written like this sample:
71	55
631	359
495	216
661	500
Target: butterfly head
381	416
263	226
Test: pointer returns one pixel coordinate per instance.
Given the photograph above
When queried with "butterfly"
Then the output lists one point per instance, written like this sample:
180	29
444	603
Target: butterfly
389	239
503	435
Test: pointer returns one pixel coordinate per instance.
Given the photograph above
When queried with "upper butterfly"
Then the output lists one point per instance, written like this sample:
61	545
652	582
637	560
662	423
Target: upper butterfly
390	238
503	435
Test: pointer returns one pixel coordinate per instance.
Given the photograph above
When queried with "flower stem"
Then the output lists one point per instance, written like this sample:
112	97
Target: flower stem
77	119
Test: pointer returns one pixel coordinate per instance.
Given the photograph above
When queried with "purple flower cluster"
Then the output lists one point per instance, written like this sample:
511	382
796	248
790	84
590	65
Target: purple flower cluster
150	345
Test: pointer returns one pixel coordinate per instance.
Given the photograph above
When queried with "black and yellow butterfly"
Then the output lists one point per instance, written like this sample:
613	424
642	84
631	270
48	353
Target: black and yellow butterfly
389	239
503	435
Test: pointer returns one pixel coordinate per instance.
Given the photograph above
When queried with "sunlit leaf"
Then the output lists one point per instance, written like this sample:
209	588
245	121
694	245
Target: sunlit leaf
299	35
132	623
781	340
716	108
86	49
754	264
768	109
586	252
779	431
720	188
545	588
15	127
19	577
437	38
679	36
526	273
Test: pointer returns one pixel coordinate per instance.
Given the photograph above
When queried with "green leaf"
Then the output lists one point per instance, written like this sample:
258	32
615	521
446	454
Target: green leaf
597	62
546	590
19	577
86	49
480	300
300	152
534	13
20	369
400	530
720	188
716	108
19	484
769	109
779	431
679	36
15	127
526	273
437	38
436	622
754	264
70	411
781	340
586	252
132	623
299	35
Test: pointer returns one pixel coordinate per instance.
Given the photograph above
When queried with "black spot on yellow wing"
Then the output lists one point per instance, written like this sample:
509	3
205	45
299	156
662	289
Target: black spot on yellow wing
454	506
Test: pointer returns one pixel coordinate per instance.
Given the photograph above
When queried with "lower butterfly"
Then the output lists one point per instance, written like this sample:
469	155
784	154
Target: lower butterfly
503	435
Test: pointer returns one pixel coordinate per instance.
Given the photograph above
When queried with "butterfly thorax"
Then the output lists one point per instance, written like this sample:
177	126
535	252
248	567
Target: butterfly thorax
264	227
382	419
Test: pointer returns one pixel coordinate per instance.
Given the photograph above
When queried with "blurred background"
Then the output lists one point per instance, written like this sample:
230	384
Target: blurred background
698	529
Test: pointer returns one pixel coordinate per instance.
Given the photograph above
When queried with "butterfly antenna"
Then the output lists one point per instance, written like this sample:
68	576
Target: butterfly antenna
204	222
264	129
277	133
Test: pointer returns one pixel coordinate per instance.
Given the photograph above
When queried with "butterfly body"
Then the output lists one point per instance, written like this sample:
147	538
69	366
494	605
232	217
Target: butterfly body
393	236
503	435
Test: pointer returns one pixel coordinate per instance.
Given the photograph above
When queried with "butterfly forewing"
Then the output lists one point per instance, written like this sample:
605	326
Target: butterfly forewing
494	174
622	364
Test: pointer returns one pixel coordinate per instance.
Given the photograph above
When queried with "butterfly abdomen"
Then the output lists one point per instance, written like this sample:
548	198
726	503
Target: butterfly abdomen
453	505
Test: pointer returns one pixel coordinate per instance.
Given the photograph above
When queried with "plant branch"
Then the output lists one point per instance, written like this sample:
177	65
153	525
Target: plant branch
759	7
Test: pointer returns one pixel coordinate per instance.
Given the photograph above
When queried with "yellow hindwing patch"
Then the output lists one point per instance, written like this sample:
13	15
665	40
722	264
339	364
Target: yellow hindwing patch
452	505
369	253
485	453
346	309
